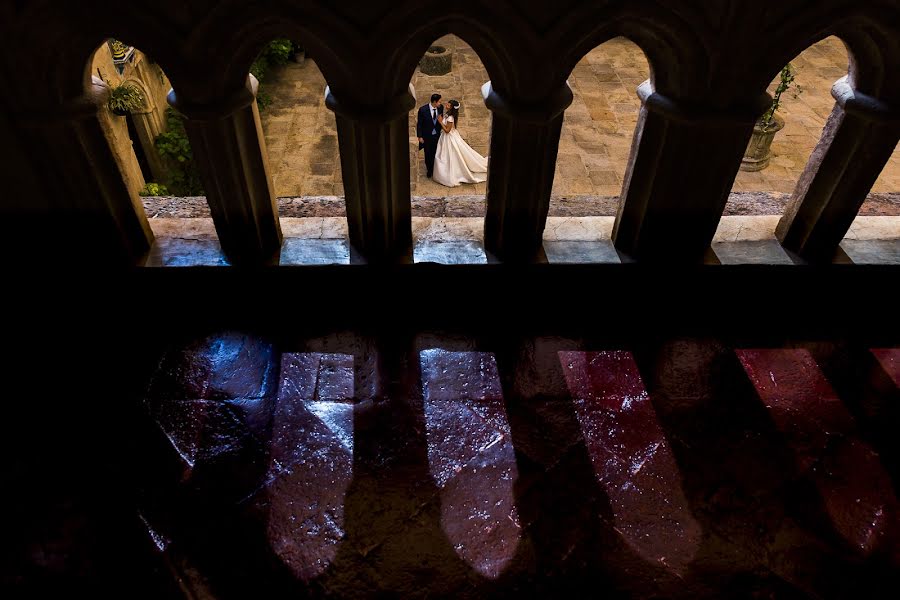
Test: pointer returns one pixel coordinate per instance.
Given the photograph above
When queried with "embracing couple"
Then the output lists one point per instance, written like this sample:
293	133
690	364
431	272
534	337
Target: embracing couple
449	160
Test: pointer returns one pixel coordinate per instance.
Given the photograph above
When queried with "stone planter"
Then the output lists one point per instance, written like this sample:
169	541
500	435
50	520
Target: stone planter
759	151
438	60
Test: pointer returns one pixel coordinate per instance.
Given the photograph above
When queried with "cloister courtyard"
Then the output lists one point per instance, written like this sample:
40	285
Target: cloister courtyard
597	130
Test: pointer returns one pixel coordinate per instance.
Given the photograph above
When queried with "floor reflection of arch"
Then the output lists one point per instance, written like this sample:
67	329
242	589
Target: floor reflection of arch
471	456
828	450
631	457
311	460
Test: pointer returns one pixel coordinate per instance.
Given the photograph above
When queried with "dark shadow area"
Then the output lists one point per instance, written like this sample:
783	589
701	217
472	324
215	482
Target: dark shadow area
311	451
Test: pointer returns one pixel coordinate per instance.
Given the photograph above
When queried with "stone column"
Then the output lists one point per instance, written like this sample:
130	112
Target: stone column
681	170
374	149
857	142
524	146
86	208
147	125
230	151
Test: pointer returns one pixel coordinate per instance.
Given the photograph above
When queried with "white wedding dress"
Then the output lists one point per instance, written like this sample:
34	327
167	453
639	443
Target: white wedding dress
456	162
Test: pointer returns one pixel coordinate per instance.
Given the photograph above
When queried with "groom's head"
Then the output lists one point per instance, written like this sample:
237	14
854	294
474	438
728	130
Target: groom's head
435	98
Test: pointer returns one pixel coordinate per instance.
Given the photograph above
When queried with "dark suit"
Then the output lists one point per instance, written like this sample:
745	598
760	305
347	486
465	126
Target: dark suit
430	131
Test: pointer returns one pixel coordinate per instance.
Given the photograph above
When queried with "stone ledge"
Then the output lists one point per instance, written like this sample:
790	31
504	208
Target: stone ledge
459	240
739	203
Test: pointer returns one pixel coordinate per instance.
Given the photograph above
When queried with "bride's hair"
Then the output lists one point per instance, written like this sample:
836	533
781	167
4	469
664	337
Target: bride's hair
454	112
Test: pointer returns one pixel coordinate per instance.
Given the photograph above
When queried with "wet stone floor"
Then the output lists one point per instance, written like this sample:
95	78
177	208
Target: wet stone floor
443	466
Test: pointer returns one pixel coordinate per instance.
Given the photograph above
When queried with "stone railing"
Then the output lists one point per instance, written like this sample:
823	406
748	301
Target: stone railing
711	64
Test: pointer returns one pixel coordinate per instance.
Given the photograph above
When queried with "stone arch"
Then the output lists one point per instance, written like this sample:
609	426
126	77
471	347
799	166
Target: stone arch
70	71
249	30
859	136
598	127
674	50
494	55
873	49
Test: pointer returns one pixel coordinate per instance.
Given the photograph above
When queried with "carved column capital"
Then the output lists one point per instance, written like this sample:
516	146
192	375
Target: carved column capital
552	106
219	108
863	106
688	112
396	107
79	108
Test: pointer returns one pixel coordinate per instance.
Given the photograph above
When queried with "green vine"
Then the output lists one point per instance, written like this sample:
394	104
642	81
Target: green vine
154	189
786	79
175	148
277	52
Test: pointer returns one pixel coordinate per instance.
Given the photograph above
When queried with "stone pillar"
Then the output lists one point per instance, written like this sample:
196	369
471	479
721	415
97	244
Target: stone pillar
681	170
230	151
857	142
374	149
524	146
86	208
147	125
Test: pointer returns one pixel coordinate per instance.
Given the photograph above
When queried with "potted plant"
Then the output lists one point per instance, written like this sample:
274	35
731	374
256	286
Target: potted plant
124	99
759	151
298	52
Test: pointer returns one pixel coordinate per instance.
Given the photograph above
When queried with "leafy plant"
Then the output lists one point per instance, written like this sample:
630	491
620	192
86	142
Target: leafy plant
154	189
786	79
263	99
277	52
124	98
175	148
260	67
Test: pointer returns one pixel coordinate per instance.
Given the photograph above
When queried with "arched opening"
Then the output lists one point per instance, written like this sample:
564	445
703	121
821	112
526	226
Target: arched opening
783	142
452	69
147	136
300	131
594	147
805	104
142	131
599	125
151	147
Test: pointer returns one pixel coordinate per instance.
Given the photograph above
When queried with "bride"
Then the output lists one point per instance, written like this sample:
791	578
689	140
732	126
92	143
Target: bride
455	161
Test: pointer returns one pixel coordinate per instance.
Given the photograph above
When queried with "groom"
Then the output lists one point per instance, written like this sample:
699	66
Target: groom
428	130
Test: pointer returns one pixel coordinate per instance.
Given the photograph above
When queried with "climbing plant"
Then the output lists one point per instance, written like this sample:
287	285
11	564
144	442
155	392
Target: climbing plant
175	148
277	52
786	80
